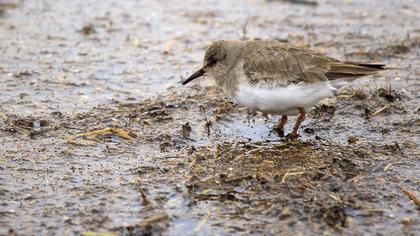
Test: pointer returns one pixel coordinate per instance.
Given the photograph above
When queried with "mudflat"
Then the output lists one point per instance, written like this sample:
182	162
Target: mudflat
97	136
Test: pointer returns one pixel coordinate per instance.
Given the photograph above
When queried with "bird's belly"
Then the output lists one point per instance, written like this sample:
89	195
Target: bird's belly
282	100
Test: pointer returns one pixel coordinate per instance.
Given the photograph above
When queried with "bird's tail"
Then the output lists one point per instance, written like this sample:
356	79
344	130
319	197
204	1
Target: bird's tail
352	70
342	73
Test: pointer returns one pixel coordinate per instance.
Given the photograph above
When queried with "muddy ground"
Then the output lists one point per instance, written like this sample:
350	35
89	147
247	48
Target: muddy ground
98	138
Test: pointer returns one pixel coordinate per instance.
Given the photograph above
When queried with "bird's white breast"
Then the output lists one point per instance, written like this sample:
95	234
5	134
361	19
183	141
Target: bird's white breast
282	100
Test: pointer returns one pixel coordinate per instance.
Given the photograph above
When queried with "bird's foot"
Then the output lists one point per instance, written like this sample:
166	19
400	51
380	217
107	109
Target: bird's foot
279	131
292	136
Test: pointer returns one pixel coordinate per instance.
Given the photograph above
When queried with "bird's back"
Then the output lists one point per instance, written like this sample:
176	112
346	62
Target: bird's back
269	63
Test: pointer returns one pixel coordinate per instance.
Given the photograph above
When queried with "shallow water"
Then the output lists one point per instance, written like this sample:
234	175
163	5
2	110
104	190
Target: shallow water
85	65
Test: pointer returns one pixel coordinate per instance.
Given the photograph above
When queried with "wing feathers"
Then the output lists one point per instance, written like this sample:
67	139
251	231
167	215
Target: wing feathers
352	70
283	64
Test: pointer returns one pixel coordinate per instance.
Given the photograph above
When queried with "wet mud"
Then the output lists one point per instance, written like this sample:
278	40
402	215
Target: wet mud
97	136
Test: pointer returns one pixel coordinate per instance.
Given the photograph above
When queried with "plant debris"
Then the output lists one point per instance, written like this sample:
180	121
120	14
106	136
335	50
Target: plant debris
93	134
411	195
98	138
87	29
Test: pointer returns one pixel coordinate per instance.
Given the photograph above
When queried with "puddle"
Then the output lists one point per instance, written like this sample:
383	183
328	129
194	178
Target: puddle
196	162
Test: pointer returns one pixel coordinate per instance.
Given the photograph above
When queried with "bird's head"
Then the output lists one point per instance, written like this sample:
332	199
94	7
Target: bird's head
214	63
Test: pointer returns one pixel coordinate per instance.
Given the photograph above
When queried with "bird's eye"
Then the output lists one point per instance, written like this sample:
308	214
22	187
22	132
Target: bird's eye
212	62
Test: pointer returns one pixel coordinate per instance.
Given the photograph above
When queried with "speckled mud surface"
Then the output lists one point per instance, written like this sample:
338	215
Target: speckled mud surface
170	159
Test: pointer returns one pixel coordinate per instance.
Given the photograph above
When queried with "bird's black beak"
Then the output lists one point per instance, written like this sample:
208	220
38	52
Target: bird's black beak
194	76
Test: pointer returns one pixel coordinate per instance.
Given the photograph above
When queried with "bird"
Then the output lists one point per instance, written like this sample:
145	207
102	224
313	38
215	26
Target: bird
278	78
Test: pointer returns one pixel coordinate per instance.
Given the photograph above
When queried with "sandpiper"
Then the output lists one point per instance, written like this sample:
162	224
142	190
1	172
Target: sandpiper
278	78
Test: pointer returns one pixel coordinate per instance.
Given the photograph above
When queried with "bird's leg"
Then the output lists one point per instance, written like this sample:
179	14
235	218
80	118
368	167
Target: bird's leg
299	121
280	127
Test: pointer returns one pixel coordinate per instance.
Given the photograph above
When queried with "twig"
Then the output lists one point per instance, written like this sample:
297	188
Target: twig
153	219
244	31
216	151
337	198
381	109
411	195
387	167
239	178
146	200
302	2
92	134
283	179
208	123
202	222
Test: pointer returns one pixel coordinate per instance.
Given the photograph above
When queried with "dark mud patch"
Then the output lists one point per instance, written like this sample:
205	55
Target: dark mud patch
181	168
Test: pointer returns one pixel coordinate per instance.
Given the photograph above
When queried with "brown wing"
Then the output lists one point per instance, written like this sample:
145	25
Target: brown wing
352	70
276	64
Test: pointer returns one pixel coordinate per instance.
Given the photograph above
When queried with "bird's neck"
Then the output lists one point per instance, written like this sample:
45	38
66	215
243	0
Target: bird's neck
227	83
